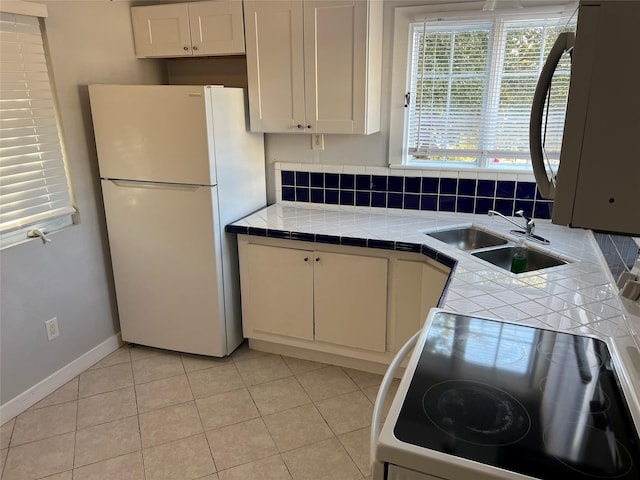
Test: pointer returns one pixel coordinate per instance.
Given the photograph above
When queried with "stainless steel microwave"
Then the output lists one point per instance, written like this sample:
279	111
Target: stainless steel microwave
597	184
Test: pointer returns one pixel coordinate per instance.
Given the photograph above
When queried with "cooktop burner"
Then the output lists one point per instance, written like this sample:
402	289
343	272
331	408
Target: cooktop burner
599	402
476	412
609	457
559	350
537	402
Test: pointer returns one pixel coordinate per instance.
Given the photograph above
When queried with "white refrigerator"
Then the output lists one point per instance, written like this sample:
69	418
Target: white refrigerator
177	164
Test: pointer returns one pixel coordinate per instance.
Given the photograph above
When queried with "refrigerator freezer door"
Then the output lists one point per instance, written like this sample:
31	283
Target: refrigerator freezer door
154	133
165	251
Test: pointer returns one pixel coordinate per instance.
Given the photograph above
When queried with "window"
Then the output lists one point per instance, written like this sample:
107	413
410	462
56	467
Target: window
470	84
34	186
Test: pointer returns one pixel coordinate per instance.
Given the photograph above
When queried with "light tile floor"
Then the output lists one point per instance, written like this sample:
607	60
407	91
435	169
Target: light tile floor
149	414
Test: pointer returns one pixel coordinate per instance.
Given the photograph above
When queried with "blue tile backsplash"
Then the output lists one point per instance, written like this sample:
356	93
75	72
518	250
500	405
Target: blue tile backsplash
415	193
620	252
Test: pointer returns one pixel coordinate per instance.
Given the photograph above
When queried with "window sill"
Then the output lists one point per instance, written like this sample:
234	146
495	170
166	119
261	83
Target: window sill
522	174
50	227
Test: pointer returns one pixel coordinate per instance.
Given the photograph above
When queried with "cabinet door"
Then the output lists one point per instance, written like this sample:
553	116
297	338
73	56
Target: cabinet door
216	27
161	30
350	298
335	36
278	296
417	287
275	65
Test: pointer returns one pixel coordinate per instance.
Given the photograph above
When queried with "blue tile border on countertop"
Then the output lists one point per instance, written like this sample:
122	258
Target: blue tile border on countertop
303	237
353	241
346	241
409	247
463	195
279	234
260	232
330	239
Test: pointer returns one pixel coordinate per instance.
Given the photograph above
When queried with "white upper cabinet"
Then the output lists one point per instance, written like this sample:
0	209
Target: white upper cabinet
314	66
275	65
189	29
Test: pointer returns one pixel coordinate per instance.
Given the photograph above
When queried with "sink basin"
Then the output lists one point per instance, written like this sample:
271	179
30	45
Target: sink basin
536	260
468	238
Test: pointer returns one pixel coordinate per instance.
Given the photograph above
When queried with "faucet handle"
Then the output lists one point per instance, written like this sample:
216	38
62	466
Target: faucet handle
530	225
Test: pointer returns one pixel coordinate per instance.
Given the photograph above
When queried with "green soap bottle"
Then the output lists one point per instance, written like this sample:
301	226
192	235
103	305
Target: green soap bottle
519	259
518	262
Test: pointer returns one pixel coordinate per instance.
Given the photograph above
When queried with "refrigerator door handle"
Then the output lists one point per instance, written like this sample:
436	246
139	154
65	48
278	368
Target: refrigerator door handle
143	184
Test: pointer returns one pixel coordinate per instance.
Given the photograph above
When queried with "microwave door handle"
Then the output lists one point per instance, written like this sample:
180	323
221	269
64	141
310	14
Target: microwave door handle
564	43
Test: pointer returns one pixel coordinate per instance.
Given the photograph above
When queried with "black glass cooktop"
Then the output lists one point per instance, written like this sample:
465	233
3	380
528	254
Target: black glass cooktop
533	401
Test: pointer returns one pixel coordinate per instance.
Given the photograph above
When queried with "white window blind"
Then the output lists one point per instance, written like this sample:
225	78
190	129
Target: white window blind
34	186
471	84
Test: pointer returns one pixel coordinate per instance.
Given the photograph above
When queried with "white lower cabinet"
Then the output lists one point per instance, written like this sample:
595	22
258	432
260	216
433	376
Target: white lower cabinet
350	300
316	295
345	305
416	289
278	291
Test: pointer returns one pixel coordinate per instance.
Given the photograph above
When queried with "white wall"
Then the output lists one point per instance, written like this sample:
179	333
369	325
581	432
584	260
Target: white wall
70	278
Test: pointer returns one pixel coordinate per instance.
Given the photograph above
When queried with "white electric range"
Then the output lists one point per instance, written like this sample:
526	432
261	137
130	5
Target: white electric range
487	399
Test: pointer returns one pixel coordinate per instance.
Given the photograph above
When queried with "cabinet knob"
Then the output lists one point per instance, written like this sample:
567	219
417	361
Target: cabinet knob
317	259
308	126
186	49
195	48
306	259
300	126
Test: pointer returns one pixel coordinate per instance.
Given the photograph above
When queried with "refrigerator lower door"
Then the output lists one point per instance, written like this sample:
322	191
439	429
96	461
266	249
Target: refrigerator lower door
165	250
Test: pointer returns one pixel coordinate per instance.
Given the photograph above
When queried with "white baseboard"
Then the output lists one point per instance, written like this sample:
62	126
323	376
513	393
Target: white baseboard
30	397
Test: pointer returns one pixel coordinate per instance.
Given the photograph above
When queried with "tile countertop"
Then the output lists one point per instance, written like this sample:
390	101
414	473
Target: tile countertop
578	297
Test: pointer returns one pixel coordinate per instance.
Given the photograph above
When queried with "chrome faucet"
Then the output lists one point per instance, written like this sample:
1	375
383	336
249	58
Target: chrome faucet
529	226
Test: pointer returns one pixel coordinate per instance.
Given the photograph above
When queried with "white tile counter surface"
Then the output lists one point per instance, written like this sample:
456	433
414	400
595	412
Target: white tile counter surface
579	297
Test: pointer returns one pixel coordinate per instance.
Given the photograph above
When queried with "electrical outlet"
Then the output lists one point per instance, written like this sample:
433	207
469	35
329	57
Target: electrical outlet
317	142
52	328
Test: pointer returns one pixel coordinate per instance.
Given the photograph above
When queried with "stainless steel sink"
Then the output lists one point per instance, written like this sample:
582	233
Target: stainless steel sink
536	260
494	249
468	238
